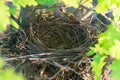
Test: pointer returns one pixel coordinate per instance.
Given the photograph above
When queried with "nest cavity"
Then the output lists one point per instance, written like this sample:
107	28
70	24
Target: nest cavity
61	33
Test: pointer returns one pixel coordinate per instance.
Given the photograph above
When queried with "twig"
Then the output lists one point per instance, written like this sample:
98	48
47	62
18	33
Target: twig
27	56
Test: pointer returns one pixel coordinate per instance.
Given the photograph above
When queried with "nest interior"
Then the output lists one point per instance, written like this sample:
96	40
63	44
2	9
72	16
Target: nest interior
61	33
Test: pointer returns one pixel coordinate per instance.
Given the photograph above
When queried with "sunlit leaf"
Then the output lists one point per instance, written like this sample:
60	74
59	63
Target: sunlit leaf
14	9
13	23
103	6
1	63
8	74
115	70
91	52
25	3
107	40
47	2
4	16
72	3
97	65
117	17
115	50
117	2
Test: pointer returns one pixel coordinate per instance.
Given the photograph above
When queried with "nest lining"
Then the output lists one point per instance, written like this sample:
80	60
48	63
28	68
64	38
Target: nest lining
63	33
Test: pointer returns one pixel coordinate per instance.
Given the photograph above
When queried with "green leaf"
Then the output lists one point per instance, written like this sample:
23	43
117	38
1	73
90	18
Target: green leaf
103	5
4	16
13	23
1	63
72	3
115	68
25	3
108	40
97	65
117	2
8	74
117	16
47	2
14	9
91	52
115	50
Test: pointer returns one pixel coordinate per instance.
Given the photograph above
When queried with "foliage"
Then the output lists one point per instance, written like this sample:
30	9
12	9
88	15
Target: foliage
14	23
72	3
47	2
5	11
13	9
115	67
25	3
7	74
97	65
104	5
4	14
108	43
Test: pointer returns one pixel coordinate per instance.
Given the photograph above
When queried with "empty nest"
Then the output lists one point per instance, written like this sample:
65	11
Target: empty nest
52	48
61	33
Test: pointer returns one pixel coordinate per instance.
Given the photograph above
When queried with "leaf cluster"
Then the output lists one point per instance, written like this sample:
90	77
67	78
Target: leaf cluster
8	73
108	45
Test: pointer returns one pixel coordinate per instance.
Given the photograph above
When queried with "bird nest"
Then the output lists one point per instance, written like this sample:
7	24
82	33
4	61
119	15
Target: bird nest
61	33
53	48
